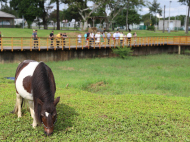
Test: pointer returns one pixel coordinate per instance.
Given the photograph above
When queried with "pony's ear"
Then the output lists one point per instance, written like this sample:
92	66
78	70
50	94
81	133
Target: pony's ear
56	101
39	101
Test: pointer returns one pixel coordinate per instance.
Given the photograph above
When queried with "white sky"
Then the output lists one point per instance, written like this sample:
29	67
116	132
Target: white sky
175	7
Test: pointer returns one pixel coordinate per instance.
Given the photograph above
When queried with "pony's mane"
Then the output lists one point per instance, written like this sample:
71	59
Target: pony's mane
43	87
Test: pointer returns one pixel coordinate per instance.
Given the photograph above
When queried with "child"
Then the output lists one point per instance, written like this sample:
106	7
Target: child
79	38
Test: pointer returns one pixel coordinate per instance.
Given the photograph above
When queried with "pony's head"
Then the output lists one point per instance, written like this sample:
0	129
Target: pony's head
48	115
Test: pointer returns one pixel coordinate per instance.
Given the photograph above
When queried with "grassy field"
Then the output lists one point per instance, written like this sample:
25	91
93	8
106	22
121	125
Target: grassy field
108	99
18	32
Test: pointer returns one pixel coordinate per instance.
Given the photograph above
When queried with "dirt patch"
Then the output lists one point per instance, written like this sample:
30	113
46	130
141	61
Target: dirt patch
98	84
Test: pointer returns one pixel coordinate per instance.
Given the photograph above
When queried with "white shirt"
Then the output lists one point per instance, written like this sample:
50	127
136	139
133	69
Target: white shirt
92	35
79	37
97	36
114	35
129	35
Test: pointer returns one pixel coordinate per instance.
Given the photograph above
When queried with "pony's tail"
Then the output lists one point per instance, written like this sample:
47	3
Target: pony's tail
16	106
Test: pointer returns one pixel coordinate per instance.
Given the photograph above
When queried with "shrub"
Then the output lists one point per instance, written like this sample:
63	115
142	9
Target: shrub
151	28
187	52
123	52
17	26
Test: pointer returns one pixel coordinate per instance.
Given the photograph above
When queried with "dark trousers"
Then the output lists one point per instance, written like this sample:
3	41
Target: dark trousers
51	42
129	40
108	40
35	42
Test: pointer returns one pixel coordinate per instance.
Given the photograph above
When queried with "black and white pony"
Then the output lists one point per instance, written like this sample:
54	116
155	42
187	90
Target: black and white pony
35	83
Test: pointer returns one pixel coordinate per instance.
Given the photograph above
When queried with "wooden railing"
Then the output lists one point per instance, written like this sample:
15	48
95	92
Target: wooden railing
25	43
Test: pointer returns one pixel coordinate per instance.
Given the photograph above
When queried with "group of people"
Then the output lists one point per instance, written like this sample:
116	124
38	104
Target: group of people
97	38
51	36
58	36
100	37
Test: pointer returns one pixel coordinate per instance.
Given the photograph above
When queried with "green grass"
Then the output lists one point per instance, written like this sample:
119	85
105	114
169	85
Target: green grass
18	32
108	99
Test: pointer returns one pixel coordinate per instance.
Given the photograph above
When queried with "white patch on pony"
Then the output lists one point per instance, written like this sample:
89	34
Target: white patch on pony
26	71
47	114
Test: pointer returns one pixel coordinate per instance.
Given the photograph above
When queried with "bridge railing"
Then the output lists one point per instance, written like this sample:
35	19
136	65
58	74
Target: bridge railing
27	43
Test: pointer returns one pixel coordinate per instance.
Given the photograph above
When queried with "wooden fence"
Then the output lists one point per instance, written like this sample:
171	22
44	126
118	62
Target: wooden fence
26	43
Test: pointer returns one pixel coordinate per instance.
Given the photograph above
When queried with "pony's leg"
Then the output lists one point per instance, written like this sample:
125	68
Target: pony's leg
31	105
18	104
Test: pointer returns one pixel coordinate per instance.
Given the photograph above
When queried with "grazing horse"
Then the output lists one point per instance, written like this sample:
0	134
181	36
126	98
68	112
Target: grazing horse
35	83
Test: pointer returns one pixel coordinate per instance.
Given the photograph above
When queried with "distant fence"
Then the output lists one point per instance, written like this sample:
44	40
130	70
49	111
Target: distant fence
7	26
26	43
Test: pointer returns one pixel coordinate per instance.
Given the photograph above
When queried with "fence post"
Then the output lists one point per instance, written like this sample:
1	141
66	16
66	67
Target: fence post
76	44
1	44
82	43
94	42
21	44
30	44
12	44
69	43
38	43
47	44
179	49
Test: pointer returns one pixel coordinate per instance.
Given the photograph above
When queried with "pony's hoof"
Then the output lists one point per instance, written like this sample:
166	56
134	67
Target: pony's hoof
34	125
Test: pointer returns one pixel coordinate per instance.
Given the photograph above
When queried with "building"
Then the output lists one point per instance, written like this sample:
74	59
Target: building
174	24
6	19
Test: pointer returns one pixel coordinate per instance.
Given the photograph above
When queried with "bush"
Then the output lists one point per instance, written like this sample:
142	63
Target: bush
17	26
123	52
151	28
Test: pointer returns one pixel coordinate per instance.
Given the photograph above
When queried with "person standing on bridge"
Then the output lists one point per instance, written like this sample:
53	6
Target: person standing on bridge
129	35
97	37
79	39
64	38
108	37
51	36
121	38
135	36
35	37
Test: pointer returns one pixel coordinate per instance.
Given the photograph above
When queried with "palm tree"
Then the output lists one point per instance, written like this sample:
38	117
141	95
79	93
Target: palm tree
154	7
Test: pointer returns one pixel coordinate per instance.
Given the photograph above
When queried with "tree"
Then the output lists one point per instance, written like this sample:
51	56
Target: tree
134	18
115	7
71	13
131	4
154	7
53	16
186	2
57	14
84	10
31	9
148	19
3	1
27	8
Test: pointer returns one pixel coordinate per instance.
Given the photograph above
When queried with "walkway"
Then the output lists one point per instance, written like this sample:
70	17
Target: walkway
24	43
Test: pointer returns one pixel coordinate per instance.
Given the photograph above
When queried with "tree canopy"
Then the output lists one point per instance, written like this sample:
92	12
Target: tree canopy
27	8
133	18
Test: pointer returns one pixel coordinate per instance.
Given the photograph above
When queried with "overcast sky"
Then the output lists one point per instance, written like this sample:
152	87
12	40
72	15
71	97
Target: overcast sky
176	8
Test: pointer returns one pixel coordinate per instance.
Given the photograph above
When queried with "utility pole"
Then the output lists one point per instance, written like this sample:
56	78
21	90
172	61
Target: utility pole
164	20
169	18
187	20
